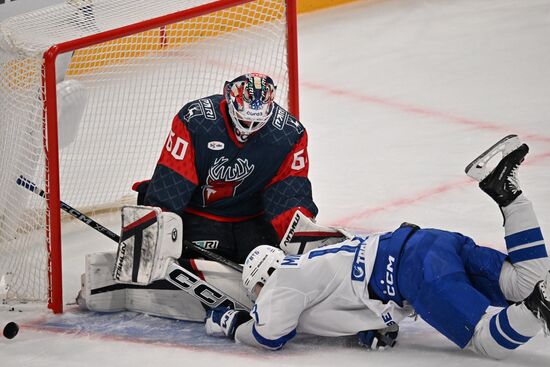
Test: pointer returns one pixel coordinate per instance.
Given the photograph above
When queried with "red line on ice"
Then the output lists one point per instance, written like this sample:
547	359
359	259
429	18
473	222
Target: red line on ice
412	109
348	220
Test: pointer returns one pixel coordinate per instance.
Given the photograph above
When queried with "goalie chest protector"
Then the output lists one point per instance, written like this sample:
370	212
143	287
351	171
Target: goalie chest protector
224	177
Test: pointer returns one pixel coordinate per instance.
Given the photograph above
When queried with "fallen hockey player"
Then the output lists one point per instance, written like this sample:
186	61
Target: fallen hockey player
366	285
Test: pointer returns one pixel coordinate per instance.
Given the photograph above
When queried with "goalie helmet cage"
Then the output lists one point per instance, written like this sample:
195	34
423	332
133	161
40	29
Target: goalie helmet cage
138	62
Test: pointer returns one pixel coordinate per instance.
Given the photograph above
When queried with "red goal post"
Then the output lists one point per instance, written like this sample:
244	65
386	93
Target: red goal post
134	64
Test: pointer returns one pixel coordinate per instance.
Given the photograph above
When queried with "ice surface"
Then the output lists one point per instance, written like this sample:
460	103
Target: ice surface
397	97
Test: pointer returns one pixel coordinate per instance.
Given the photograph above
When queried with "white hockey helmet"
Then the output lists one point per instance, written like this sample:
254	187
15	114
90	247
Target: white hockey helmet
259	265
250	102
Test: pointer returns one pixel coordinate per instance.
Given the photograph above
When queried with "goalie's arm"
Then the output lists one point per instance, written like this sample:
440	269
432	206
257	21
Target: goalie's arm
175	176
290	189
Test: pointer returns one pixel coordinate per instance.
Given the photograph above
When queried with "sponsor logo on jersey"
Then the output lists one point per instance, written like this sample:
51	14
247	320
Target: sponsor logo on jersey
208	108
283	118
390	289
358	268
203	107
224	179
216	145
207	244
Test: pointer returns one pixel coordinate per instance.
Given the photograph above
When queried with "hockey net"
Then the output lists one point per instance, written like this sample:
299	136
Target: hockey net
138	62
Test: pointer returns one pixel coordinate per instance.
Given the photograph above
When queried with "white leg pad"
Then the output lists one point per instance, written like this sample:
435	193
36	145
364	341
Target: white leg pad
100	292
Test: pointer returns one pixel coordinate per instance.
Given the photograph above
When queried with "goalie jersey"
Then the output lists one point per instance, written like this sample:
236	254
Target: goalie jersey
204	170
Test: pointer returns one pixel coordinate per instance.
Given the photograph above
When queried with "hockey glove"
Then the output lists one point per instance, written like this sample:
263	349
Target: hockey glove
378	339
223	321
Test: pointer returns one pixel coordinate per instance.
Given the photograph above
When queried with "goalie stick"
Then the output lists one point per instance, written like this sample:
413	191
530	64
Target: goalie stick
29	185
177	275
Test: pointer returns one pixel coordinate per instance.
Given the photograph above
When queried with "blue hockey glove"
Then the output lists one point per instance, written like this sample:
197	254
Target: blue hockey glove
378	339
223	321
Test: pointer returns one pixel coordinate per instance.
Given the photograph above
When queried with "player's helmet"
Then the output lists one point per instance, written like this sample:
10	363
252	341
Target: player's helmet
259	265
250	102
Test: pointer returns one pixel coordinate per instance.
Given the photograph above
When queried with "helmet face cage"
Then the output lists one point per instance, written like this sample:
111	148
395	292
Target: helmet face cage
250	101
259	265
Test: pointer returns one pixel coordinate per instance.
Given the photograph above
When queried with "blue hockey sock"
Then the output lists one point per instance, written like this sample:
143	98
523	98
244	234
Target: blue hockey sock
498	334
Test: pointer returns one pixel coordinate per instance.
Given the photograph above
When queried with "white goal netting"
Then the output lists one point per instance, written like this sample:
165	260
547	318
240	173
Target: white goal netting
129	88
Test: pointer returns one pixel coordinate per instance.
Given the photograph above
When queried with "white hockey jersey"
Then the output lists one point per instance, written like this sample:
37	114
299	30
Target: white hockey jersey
322	292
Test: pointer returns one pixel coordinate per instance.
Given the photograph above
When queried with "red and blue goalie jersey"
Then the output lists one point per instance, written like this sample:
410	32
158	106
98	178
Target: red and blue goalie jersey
204	170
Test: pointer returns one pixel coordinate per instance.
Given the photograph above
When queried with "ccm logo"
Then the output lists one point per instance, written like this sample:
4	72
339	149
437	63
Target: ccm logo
192	284
389	276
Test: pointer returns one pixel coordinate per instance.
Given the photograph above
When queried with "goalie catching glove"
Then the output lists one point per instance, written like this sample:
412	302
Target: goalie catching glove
223	321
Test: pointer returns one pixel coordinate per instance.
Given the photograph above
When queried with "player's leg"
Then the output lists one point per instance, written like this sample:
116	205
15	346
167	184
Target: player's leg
528	259
433	279
527	263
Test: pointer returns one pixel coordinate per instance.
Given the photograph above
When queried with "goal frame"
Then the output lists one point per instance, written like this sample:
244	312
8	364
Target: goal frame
50	122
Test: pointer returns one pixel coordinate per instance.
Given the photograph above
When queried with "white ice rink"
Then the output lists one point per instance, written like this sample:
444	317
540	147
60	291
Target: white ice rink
397	96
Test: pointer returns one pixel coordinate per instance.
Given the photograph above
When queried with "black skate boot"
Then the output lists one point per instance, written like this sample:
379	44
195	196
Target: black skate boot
500	183
538	303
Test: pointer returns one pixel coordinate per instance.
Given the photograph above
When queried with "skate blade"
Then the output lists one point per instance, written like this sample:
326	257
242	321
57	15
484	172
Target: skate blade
478	168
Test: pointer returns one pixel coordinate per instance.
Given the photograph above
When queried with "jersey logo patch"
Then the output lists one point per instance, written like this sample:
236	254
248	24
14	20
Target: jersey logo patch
358	268
208	109
216	145
193	111
223	179
283	118
203	107
208	244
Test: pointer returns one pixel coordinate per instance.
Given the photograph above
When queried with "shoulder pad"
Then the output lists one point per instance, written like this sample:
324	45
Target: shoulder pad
284	120
202	109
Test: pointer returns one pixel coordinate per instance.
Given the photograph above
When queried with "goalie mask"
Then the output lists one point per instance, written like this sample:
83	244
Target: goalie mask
259	265
250	103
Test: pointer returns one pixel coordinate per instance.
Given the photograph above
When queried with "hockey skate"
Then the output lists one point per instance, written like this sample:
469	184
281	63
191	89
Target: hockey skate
538	303
500	183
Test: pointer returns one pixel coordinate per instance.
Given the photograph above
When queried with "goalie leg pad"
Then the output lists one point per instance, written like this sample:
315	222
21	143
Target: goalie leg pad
96	280
100	293
150	241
